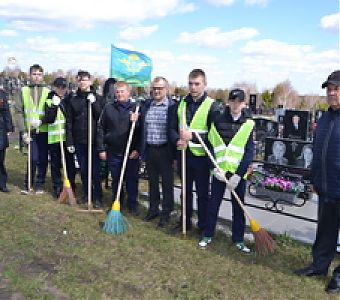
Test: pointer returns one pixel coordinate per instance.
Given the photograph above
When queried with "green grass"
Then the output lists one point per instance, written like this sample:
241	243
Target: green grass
41	262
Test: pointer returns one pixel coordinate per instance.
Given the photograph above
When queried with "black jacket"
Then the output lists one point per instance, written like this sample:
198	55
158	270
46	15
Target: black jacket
227	128
51	111
326	156
6	124
77	118
192	107
144	110
114	127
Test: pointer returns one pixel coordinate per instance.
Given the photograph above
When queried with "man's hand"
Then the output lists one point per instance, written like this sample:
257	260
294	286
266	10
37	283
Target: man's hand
35	124
102	155
134	154
56	100
71	149
185	135
26	139
233	182
181	144
134	117
91	98
219	175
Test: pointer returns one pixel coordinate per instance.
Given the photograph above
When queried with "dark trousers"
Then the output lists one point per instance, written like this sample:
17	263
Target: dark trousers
3	173
238	219
82	157
197	170
56	165
159	164
34	157
115	162
42	144
327	233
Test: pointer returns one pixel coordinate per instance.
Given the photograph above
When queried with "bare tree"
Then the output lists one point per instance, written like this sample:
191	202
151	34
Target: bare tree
285	95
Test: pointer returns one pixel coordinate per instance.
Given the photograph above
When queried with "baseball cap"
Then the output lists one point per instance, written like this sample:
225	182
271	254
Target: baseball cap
237	93
334	78
60	81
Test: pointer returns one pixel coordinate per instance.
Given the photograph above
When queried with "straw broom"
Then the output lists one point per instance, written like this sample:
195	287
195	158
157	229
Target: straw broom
115	222
263	241
66	195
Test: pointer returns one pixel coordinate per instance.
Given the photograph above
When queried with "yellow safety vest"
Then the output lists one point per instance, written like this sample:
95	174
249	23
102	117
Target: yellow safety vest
32	112
198	123
229	157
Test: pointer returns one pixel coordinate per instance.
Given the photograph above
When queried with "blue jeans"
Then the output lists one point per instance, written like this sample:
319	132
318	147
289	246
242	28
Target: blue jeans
197	170
238	219
130	178
82	157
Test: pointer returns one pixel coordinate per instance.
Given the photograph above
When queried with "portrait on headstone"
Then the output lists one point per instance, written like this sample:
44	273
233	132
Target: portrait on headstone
276	152
296	124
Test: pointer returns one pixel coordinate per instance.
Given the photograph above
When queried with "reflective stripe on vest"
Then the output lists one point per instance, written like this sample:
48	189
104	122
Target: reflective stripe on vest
32	112
198	123
56	130
229	157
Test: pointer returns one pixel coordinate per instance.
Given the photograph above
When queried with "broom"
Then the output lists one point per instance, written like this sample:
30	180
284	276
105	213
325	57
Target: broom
29	158
66	195
115	222
264	243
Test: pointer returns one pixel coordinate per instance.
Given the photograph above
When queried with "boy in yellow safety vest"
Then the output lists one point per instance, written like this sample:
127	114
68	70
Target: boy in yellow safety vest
55	116
30	114
231	138
199	110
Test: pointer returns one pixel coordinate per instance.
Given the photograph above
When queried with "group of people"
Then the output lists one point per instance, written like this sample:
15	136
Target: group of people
165	132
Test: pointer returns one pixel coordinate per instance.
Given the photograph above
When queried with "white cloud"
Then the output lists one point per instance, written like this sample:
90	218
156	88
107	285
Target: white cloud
213	37
221	2
8	33
269	62
40	13
331	22
197	58
256	2
137	33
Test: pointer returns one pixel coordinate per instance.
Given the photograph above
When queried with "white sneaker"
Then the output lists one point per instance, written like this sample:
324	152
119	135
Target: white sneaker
242	247
39	192
204	242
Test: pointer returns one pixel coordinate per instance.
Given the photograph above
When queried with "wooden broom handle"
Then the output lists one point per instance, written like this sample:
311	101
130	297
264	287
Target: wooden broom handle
89	158
225	179
183	171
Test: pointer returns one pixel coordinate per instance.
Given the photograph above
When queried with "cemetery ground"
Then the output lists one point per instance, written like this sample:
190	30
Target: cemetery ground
52	251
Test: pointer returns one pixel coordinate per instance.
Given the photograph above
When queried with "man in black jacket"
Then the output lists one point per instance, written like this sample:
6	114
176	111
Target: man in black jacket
325	176
6	126
113	131
77	134
157	150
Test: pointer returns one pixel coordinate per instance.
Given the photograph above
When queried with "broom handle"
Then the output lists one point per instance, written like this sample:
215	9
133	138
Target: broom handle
126	154
184	189
61	143
89	159
29	163
225	179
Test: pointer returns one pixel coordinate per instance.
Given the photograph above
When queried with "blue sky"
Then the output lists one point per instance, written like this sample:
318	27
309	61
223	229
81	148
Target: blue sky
261	42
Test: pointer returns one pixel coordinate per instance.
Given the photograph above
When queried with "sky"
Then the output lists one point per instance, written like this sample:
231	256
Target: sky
262	42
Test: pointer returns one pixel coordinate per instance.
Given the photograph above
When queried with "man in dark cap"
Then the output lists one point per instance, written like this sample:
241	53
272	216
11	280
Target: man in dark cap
325	176
55	117
231	137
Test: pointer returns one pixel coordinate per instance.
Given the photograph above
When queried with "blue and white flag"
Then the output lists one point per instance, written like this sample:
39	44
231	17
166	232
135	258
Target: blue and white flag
130	66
